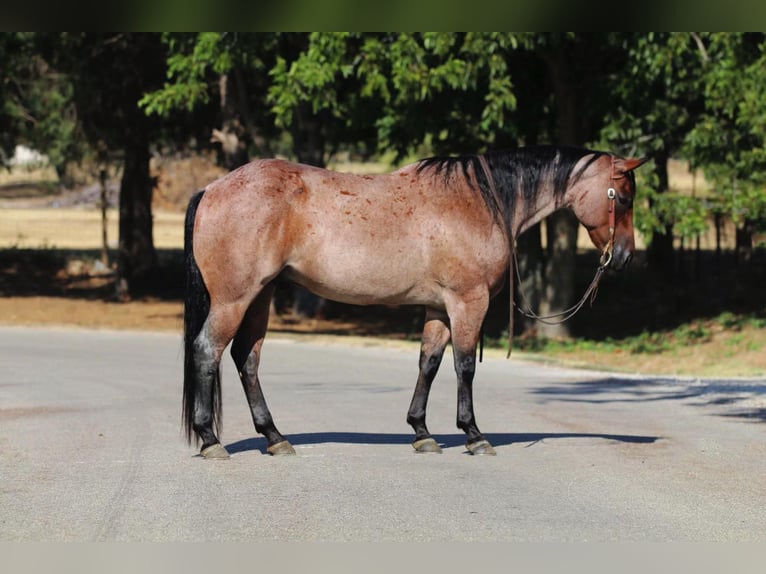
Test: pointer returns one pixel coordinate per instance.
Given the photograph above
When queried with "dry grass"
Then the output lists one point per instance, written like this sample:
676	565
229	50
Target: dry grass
727	354
78	228
684	181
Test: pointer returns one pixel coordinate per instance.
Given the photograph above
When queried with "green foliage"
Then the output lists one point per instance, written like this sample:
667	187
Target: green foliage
312	77
37	103
187	74
195	62
702	97
398	77
687	216
729	140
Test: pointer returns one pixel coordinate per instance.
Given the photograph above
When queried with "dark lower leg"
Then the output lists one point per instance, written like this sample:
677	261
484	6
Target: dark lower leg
435	337
467	315
246	352
416	415
206	398
262	419
465	366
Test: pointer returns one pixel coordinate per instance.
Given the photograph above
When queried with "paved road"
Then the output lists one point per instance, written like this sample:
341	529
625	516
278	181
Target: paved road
91	450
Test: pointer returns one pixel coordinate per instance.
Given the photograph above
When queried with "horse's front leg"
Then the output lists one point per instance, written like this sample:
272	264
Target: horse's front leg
246	352
466	319
435	338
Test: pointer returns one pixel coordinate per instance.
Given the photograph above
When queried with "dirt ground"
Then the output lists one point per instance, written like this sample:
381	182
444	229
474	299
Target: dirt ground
165	316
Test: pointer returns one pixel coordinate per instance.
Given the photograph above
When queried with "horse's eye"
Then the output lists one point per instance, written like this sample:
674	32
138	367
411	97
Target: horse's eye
624	200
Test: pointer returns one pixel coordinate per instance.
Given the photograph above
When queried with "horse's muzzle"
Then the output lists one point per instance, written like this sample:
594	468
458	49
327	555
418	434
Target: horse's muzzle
621	258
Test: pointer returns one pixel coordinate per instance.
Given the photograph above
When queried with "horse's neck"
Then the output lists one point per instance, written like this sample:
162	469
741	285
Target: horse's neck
543	205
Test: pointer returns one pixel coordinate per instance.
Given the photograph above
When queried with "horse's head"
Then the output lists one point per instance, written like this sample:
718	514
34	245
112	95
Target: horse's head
603	202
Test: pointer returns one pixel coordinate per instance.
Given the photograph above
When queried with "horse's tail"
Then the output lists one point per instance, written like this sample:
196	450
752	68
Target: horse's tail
196	309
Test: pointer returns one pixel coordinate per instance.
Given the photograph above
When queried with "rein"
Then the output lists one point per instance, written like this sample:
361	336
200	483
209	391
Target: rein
590	292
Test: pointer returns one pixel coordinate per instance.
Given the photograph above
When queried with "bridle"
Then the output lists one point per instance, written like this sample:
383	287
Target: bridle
592	290
611	194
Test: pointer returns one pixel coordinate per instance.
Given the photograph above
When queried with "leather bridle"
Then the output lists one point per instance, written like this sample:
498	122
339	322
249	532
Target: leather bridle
611	194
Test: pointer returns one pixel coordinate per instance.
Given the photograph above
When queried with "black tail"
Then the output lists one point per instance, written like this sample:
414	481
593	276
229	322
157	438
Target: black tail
196	309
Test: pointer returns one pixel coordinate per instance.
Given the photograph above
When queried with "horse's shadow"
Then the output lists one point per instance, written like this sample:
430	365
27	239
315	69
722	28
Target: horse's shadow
446	441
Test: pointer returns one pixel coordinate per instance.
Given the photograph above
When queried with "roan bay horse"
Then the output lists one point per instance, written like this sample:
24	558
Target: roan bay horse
438	233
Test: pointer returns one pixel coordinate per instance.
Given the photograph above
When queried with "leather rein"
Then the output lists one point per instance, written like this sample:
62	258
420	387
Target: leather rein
590	293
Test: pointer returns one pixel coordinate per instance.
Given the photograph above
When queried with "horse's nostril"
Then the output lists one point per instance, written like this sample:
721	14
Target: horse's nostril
628	259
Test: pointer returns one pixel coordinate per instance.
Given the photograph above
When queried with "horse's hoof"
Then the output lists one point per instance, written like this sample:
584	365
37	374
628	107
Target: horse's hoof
280	448
481	447
215	451
427	445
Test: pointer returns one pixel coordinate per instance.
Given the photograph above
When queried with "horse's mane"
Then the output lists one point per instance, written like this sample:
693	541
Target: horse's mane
517	173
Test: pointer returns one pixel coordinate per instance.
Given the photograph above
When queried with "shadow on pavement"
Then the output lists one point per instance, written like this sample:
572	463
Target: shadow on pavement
743	398
446	441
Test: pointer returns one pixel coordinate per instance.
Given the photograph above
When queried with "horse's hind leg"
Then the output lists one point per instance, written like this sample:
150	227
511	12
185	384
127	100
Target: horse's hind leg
435	338
217	331
207	396
246	352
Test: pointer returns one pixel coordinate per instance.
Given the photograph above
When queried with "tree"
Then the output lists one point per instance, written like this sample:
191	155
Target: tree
729	140
227	73
110	73
14	57
37	106
451	91
659	101
699	96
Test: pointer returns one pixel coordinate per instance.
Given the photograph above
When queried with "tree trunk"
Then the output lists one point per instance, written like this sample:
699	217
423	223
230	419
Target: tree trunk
561	236
529	251
744	241
104	207
660	253
233	135
136	257
308	139
562	226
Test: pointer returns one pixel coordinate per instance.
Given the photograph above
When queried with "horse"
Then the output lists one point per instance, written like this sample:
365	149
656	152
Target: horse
438	233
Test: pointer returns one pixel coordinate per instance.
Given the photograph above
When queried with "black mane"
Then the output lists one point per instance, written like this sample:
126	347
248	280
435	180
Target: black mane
517	173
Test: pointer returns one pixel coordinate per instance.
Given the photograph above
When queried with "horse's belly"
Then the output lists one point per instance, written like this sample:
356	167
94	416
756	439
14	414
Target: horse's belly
359	275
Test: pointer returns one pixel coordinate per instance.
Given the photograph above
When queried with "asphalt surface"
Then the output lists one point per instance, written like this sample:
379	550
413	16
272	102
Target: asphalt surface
91	449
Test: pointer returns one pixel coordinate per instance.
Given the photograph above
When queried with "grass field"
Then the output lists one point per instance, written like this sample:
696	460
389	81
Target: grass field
78	228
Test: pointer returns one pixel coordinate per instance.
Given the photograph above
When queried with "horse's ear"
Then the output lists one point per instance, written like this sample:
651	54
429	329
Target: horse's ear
624	165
